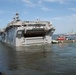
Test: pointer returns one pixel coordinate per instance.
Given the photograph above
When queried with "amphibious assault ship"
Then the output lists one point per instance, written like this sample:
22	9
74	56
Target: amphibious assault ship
23	33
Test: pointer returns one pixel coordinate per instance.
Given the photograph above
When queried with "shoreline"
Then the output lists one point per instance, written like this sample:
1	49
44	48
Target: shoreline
62	41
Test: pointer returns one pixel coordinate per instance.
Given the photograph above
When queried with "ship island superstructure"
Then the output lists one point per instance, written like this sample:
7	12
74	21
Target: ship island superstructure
23	33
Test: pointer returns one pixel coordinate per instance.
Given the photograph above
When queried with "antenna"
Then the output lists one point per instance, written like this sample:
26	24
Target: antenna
14	19
17	17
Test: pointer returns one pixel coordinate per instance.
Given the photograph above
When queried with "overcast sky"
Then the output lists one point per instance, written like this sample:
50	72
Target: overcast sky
62	13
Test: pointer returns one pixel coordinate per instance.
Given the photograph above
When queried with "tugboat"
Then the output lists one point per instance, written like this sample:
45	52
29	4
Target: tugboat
61	38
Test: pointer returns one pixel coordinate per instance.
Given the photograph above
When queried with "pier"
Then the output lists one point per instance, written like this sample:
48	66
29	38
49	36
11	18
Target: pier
62	41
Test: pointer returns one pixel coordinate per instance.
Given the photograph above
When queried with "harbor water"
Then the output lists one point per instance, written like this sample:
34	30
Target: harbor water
51	59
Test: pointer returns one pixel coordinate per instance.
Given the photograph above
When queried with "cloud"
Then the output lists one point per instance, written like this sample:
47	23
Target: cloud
46	9
40	2
33	3
29	3
74	15
59	1
73	9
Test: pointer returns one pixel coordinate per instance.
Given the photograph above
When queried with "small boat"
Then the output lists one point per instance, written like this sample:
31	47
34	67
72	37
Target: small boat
54	41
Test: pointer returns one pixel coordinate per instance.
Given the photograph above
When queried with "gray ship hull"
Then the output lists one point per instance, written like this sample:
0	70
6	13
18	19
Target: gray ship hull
23	33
